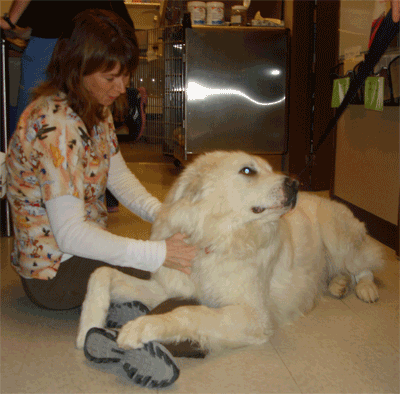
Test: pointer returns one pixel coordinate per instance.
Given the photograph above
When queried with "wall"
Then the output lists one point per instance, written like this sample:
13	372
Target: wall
367	160
367	142
5	6
355	24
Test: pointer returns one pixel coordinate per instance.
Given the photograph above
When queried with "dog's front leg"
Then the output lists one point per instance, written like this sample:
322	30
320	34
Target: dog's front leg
108	284
96	303
230	326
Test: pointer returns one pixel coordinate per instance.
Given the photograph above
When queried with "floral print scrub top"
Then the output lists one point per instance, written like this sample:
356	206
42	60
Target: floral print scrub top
52	154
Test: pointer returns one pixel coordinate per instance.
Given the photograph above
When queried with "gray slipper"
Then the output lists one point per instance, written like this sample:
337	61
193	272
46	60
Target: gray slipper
151	366
120	314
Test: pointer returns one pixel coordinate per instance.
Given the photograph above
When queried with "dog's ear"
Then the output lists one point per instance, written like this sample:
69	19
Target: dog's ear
189	186
197	179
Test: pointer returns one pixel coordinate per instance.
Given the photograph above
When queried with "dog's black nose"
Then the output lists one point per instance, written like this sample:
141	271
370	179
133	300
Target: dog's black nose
290	187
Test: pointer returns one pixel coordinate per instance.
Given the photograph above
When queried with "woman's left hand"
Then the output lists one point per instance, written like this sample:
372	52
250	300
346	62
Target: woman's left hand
179	254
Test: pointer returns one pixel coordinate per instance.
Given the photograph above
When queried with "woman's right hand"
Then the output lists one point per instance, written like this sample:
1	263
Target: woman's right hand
179	254
4	24
19	32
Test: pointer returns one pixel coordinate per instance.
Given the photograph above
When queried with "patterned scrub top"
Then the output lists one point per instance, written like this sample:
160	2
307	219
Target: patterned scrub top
51	154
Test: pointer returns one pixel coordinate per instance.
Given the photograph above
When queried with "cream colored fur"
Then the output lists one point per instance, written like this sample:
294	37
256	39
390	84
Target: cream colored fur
265	267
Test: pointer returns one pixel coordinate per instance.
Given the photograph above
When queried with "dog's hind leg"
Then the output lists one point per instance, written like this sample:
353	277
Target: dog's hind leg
366	289
351	250
108	284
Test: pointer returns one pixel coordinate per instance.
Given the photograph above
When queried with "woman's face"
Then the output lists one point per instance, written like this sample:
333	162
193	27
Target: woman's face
106	86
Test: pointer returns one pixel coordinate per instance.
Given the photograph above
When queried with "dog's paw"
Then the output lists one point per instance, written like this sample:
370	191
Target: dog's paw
134	334
367	291
339	286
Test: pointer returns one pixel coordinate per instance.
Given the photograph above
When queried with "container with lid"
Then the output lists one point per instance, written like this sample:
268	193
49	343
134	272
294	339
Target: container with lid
197	11
239	15
215	13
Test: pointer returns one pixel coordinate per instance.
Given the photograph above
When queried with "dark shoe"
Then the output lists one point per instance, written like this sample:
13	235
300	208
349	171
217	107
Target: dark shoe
120	314
151	366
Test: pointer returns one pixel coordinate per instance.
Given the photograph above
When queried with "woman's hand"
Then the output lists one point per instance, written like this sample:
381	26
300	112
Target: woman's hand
4	24
179	254
395	10
18	32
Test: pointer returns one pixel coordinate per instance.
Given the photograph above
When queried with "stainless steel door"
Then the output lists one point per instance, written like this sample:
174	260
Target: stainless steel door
236	89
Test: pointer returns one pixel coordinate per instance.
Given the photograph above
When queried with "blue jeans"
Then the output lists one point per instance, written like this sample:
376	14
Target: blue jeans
34	62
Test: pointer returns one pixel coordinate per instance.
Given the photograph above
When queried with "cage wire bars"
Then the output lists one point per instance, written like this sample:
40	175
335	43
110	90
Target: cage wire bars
161	73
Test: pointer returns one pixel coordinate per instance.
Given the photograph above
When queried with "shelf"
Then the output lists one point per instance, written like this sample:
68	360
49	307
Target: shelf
143	6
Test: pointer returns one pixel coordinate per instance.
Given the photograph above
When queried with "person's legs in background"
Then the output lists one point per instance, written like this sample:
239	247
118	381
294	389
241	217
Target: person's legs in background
34	62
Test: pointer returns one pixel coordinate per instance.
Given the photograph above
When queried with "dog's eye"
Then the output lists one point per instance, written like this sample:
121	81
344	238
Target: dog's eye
248	171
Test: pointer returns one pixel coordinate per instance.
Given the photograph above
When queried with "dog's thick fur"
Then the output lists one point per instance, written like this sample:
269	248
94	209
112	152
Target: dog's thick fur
262	263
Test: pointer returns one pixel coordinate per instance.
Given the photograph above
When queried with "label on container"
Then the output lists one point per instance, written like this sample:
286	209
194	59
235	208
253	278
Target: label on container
215	14
236	19
197	12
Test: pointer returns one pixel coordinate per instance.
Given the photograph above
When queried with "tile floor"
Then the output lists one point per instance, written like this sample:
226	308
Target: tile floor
342	346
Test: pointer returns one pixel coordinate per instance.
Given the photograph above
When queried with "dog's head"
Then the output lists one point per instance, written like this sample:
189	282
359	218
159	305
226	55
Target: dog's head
235	184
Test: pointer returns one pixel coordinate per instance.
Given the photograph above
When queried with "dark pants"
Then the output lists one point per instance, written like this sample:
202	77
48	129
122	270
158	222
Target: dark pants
67	290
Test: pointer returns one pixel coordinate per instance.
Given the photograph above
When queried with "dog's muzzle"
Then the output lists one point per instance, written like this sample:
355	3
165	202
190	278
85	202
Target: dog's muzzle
290	189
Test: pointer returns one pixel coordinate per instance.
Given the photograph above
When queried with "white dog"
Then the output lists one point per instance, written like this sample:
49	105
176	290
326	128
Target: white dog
269	259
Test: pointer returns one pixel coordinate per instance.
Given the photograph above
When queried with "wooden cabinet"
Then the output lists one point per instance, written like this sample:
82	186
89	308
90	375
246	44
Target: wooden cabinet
367	169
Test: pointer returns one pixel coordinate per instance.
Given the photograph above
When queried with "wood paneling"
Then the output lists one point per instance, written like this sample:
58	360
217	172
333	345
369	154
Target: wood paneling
299	17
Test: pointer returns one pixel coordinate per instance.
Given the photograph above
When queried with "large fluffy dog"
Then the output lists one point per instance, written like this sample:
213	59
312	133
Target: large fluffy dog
270	252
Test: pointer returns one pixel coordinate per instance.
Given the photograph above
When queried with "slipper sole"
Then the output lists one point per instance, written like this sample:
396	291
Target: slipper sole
151	366
120	314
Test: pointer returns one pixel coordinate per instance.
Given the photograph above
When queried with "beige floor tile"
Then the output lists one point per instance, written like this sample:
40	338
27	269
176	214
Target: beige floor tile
12	360
248	370
332	350
382	317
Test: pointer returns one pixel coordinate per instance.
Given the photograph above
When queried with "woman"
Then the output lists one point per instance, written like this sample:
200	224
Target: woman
62	156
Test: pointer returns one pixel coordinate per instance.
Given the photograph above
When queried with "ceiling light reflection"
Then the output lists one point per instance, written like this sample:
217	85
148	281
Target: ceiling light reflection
275	72
198	92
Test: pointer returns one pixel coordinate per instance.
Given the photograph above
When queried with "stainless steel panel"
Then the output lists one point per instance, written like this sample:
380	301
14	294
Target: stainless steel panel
236	89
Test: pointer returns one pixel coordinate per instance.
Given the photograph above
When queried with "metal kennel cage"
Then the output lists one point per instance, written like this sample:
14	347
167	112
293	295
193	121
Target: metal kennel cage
205	93
161	73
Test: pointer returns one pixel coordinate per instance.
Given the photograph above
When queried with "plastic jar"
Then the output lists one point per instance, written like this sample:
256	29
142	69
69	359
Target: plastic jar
239	15
197	11
215	13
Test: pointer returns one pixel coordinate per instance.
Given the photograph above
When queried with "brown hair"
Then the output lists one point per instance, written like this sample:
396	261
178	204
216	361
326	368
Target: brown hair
98	40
